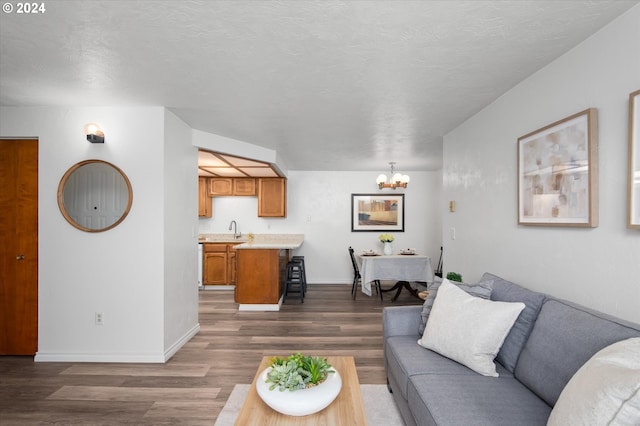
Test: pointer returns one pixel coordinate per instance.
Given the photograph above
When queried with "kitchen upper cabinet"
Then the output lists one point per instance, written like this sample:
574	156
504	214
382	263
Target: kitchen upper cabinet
232	186
271	192
244	186
272	197
204	201
220	186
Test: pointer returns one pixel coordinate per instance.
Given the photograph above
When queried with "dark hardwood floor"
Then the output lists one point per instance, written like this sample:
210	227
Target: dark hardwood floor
194	385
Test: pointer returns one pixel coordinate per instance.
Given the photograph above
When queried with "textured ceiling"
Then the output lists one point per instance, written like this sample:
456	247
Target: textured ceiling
330	85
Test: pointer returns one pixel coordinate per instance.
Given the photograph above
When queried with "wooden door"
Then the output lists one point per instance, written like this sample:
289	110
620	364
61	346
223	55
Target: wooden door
19	247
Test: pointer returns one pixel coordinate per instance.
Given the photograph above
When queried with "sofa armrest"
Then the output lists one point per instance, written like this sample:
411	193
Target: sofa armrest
401	320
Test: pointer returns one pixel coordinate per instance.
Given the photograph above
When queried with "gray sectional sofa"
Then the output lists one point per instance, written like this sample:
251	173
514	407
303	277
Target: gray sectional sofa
549	342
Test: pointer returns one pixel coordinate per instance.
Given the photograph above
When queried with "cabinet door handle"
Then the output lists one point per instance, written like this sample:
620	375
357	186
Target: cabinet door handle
20	257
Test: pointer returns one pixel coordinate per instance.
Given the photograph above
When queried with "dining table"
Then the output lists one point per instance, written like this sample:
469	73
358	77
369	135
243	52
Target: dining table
402	268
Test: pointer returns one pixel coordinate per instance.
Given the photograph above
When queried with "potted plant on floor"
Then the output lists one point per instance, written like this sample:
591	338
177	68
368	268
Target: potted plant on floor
299	385
454	276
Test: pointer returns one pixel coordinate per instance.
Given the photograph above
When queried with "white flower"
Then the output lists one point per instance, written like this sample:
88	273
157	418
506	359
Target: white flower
386	238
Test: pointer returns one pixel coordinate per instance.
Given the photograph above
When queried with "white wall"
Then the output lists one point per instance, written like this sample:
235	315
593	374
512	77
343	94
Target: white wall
180	213
119	273
319	206
597	267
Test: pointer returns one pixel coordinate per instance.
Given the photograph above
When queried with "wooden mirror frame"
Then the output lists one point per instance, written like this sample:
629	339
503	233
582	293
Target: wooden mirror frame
61	188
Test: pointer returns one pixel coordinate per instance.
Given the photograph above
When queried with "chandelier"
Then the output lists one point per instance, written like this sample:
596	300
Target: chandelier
397	180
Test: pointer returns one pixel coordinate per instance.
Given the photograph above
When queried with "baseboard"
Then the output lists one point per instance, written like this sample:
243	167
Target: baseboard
266	307
118	358
149	358
171	351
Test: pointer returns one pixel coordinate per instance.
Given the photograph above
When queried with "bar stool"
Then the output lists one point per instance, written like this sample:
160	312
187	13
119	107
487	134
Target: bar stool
300	259
294	281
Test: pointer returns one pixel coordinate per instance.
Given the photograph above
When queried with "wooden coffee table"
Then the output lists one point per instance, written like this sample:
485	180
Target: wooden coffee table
346	409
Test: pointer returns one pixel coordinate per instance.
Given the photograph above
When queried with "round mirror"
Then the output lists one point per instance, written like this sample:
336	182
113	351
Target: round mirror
94	195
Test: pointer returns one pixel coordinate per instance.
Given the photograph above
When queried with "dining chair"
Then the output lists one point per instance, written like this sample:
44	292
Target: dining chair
438	271
358	278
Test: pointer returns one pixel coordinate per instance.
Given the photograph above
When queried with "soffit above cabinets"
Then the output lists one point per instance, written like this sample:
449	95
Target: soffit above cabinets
214	164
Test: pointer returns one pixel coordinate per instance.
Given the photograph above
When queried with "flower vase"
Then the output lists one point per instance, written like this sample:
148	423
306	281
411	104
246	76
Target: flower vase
388	250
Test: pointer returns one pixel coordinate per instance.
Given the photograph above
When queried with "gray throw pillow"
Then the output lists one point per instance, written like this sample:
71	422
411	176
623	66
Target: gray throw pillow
482	290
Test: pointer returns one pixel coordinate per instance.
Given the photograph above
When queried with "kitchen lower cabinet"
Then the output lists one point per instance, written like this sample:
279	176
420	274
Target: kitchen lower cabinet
261	275
219	264
232	266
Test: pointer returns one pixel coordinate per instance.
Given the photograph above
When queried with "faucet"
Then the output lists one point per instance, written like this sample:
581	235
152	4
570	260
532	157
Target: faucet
234	225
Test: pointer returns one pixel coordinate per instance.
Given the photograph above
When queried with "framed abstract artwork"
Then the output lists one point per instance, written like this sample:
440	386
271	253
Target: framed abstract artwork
558	173
633	186
375	212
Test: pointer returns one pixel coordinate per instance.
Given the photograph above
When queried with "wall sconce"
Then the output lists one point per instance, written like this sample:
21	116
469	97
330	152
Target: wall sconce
94	133
397	180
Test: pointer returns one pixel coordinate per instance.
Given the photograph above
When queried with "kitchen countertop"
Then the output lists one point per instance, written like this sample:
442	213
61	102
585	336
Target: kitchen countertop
260	241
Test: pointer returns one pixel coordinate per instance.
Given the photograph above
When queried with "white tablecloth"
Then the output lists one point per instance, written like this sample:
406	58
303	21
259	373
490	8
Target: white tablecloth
396	267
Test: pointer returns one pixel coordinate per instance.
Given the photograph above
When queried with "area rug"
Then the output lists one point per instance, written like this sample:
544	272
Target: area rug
379	406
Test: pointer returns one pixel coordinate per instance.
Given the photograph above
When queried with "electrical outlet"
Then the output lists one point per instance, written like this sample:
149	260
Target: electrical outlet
99	318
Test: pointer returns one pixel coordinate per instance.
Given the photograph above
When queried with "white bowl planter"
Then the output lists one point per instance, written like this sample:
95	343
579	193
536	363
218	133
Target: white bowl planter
301	402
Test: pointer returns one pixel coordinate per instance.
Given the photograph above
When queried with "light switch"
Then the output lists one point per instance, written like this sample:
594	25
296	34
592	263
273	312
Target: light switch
453	233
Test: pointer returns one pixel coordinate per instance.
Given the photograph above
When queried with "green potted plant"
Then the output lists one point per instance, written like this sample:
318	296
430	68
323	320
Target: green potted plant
310	383
297	371
454	276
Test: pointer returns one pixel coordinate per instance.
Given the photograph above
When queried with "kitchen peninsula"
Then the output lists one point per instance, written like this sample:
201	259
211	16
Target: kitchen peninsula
260	267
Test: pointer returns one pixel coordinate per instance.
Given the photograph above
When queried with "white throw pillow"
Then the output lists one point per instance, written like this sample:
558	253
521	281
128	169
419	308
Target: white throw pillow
468	329
605	390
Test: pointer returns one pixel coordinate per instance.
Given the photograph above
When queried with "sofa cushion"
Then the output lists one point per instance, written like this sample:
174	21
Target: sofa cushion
400	320
604	391
563	338
404	359
507	291
479	290
474	400
468	329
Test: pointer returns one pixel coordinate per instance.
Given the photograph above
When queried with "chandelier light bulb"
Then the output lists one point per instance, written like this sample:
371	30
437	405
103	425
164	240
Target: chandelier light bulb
381	179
